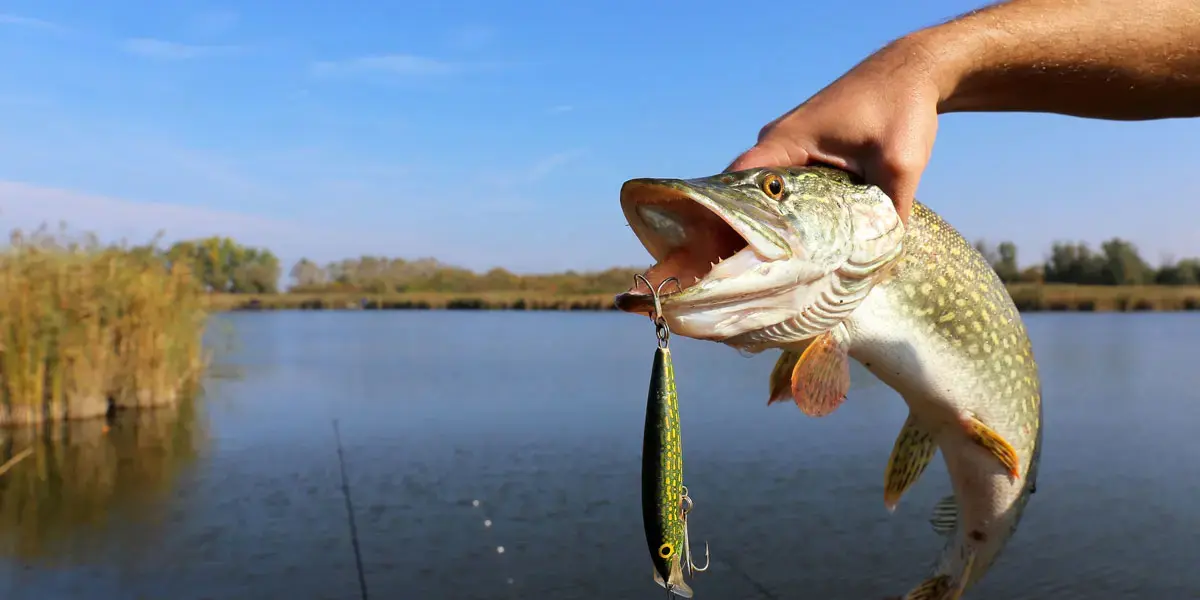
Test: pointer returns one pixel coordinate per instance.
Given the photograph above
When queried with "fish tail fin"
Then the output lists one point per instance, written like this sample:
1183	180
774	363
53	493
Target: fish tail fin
943	587
675	584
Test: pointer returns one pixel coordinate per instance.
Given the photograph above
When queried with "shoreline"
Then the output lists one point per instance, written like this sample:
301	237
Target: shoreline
1028	298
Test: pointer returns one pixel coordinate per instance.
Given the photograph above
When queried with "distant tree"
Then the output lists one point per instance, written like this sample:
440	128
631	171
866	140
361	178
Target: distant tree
1184	272
1073	263
223	265
1122	265
308	274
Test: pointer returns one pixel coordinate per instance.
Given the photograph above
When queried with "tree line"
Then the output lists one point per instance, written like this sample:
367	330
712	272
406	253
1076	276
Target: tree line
1116	263
223	265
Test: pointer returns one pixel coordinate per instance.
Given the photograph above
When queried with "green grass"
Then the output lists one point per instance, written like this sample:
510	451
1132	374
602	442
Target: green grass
1028	297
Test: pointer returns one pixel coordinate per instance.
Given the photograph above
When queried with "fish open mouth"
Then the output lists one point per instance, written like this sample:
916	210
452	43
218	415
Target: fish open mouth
693	238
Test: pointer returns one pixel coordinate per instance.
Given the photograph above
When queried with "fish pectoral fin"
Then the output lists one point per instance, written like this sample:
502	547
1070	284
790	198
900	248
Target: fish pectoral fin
911	453
993	442
781	376
945	515
821	377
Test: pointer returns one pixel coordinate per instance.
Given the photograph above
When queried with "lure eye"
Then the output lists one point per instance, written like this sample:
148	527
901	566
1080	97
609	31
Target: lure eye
666	550
772	185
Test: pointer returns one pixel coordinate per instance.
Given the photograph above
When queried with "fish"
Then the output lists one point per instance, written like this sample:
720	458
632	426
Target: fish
816	263
665	502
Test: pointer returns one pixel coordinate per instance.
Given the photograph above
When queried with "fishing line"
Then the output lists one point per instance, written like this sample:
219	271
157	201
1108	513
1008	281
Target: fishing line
762	589
362	579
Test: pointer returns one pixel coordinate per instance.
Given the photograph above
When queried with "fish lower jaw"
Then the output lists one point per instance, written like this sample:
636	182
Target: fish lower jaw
782	317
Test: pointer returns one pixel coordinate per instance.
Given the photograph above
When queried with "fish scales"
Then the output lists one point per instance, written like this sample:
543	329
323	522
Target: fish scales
943	291
812	261
945	287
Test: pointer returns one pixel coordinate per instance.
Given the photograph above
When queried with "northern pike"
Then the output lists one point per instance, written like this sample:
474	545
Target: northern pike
664	498
812	261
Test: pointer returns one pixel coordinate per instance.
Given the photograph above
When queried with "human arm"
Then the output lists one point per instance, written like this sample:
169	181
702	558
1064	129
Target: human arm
1114	59
1105	59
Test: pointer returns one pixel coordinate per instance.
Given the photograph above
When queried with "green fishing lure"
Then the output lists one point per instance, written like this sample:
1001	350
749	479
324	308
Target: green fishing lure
665	501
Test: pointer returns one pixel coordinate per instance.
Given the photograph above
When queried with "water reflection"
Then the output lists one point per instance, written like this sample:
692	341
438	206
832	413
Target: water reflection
57	502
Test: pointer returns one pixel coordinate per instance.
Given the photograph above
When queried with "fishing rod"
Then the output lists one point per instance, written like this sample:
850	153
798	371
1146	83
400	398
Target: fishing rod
362	579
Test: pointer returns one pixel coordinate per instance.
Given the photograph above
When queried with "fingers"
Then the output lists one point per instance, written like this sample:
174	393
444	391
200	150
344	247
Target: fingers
899	184
768	154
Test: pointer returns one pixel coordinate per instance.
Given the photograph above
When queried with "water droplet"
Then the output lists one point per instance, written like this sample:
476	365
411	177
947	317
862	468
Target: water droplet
487	522
499	549
510	580
474	503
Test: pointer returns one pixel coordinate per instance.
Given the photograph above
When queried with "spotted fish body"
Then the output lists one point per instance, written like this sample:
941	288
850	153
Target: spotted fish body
825	271
662	477
942	330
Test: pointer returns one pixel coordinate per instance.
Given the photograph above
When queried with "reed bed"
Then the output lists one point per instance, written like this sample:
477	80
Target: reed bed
1029	297
86	328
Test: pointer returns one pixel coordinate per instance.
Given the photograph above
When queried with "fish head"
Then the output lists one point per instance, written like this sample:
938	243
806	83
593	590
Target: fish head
763	257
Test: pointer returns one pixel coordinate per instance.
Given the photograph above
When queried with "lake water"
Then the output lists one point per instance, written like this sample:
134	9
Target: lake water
538	416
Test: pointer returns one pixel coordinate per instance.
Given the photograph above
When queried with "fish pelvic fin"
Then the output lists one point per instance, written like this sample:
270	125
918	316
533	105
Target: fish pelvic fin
911	453
821	377
993	442
675	583
944	517
781	376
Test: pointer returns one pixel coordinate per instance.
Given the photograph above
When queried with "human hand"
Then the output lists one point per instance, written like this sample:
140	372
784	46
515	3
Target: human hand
879	120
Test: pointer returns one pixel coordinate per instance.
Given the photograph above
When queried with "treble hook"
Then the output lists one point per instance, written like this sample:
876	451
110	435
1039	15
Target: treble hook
687	545
660	323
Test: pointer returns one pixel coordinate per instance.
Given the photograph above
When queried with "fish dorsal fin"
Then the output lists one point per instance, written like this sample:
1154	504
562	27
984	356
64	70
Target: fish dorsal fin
781	376
945	515
821	377
911	453
993	442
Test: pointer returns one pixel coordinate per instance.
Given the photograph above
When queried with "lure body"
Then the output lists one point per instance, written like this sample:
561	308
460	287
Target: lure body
662	478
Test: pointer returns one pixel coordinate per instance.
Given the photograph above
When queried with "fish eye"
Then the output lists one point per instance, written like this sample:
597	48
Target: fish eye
772	185
666	550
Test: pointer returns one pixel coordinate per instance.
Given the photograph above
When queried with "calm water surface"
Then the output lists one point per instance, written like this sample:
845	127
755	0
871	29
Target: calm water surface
538	417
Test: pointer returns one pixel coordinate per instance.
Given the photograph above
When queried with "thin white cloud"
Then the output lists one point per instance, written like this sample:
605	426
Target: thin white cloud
31	22
561	108
544	167
535	172
392	64
28	206
471	37
215	22
165	50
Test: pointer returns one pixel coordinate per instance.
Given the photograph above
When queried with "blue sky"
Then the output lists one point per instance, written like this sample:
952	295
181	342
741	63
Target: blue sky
499	133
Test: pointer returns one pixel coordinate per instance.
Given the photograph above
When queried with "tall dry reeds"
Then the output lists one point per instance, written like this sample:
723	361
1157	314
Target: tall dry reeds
84	325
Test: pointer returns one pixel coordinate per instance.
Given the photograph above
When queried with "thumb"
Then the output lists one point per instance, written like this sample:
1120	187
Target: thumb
768	154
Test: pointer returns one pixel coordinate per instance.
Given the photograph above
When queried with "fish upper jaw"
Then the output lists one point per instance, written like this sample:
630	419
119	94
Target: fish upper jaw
720	247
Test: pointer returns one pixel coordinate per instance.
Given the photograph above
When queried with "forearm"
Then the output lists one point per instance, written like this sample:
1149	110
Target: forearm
1108	59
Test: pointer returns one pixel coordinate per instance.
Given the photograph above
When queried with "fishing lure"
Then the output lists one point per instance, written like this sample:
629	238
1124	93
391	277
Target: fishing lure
665	500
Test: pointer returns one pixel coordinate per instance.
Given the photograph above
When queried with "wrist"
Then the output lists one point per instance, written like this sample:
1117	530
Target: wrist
952	53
